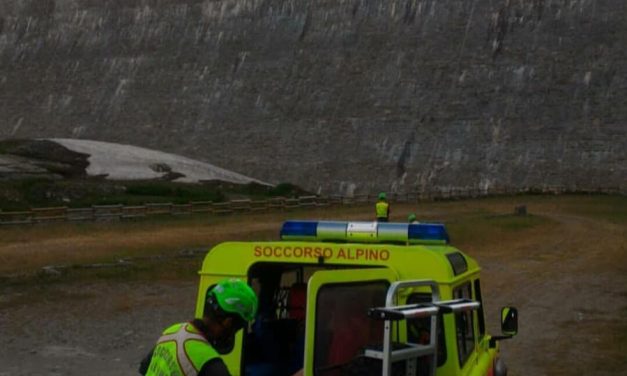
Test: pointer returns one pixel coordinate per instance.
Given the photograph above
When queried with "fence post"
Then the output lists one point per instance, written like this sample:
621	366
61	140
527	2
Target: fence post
241	205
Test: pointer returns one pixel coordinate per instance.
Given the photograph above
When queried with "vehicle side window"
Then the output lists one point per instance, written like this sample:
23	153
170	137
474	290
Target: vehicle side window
464	325
343	328
419	330
480	314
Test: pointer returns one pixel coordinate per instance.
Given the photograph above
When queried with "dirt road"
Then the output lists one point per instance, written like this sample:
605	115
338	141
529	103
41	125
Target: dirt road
568	279
572	294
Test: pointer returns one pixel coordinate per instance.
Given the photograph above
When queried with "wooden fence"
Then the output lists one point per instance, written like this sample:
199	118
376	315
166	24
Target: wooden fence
122	212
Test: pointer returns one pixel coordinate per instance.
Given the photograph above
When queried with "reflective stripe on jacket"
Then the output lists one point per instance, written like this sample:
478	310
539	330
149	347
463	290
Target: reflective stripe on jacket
382	209
181	351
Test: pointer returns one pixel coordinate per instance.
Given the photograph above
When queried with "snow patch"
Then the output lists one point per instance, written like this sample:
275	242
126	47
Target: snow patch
127	162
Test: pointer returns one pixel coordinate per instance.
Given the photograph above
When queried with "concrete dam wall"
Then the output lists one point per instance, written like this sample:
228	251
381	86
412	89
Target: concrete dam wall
337	96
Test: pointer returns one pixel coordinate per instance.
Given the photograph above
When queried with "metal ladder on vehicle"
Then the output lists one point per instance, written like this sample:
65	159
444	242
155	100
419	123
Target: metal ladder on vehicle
412	351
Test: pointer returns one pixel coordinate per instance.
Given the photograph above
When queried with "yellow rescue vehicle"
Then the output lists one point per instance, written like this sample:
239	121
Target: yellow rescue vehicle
359	298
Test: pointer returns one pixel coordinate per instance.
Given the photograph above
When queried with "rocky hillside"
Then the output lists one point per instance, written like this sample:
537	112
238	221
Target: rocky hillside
40	159
335	96
79	173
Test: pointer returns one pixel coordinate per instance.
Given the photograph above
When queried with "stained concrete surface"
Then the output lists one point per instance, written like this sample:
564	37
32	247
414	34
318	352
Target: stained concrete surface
335	96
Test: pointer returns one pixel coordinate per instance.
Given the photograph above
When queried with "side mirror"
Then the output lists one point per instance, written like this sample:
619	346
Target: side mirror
509	321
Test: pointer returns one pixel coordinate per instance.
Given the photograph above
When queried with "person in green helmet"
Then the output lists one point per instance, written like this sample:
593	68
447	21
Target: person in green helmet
382	208
194	348
411	218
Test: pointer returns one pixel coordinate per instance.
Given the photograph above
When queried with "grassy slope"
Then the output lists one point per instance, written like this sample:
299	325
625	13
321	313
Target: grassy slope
23	194
474	225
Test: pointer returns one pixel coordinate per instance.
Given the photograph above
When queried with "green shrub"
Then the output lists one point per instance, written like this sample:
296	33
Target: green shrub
149	189
287	190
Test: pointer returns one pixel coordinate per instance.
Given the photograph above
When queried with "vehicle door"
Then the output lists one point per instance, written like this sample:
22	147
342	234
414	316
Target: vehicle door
338	328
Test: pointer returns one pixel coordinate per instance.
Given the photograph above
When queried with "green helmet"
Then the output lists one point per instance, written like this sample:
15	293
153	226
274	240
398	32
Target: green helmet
382	196
411	217
235	296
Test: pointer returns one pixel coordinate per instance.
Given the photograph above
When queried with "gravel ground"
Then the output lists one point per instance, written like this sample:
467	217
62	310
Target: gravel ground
571	291
92	329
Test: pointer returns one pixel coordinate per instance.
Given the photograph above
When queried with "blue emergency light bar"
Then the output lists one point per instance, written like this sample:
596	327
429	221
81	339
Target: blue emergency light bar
365	232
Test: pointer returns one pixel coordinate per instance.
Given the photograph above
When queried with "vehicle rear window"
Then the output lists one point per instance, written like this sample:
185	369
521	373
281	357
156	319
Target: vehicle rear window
343	328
